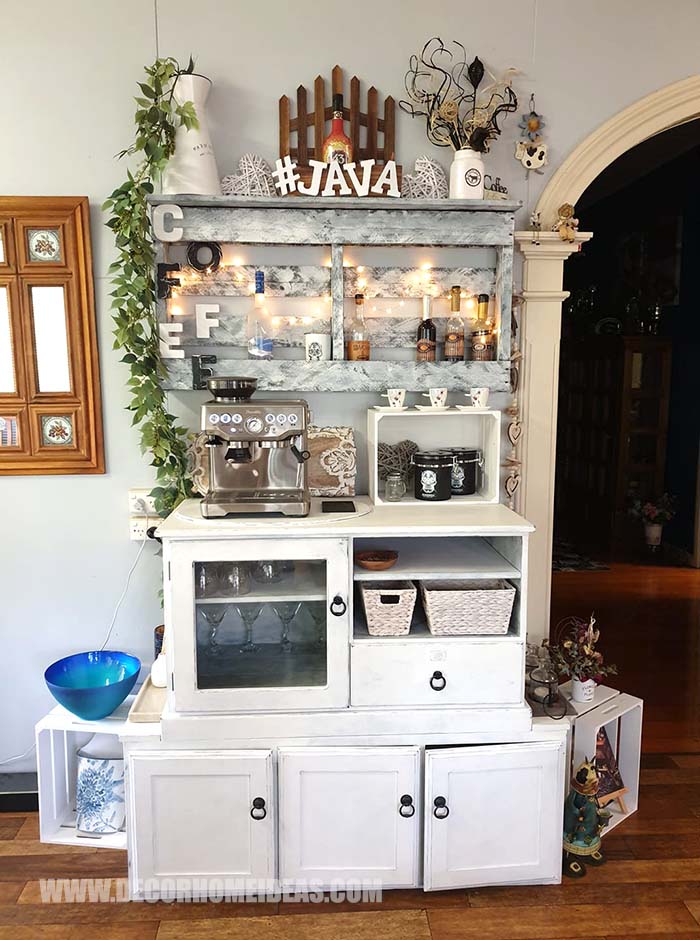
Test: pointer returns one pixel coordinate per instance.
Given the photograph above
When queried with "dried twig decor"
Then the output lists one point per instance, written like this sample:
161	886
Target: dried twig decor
446	90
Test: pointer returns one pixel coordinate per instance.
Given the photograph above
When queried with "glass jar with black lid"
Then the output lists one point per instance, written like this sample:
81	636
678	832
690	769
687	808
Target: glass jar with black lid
467	464
433	475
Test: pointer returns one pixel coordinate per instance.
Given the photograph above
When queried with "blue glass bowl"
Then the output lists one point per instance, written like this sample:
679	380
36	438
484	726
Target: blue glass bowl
92	685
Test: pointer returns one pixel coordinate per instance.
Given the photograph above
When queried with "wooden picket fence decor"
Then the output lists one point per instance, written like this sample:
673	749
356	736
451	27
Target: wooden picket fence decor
320	116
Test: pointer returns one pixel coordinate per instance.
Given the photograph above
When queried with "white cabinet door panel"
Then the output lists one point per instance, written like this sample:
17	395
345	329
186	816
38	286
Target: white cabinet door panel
193	813
342	817
493	814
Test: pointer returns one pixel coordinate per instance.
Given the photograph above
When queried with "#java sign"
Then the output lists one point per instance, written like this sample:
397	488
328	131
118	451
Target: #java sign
341	179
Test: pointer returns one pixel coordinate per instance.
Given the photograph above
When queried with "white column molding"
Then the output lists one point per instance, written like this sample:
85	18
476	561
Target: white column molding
540	326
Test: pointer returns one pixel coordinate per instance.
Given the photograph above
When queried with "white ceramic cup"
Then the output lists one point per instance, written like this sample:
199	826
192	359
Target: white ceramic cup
479	397
317	347
396	397
437	396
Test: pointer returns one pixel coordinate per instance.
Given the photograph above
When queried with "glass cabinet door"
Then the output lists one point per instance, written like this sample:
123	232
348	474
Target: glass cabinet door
266	624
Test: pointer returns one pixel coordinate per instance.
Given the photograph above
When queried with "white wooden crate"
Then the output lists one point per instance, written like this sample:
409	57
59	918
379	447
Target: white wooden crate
621	716
431	430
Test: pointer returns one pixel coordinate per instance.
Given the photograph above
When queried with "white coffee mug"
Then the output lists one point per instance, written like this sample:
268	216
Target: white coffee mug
479	397
317	346
396	397
437	396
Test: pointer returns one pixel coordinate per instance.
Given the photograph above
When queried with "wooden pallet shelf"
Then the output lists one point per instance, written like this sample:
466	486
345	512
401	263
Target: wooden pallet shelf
338	222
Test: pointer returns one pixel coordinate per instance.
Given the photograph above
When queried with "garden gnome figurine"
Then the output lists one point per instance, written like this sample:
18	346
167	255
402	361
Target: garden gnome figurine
584	821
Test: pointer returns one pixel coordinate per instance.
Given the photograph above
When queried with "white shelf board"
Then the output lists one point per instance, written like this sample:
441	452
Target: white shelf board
447	560
474	499
308	583
67	834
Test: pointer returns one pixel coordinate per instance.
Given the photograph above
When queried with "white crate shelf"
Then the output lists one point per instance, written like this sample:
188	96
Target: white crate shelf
434	430
59	736
621	716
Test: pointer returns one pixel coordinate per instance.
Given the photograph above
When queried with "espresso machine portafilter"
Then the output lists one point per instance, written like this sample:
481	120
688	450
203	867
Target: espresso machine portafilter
257	451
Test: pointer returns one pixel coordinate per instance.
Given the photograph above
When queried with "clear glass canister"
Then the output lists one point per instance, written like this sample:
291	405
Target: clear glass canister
395	488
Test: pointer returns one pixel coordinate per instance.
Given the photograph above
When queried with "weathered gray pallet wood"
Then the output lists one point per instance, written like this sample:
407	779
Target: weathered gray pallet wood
315	281
395	225
337	298
338	222
300	376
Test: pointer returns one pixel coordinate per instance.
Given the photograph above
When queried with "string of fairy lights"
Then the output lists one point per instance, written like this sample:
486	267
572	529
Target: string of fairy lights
243	275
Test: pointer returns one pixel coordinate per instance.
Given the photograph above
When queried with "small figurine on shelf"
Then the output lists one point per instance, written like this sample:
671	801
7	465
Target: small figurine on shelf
566	224
584	821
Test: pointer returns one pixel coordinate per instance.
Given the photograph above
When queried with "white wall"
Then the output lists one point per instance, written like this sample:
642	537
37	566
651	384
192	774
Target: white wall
67	72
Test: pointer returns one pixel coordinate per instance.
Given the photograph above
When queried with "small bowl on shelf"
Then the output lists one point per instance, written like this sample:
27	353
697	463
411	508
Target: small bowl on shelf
376	560
91	685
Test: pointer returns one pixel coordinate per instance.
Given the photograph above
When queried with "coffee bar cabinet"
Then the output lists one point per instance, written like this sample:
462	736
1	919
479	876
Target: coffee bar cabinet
298	750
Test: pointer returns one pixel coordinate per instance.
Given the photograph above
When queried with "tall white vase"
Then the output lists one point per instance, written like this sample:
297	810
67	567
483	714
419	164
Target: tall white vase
193	167
467	175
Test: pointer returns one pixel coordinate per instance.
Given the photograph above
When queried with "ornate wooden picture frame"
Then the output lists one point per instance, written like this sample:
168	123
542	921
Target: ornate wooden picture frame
50	405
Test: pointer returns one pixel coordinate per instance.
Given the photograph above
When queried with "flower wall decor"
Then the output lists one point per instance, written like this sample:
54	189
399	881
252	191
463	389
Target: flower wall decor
447	90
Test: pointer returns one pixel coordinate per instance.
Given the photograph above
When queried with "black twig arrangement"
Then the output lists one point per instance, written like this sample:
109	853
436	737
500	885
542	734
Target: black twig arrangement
446	89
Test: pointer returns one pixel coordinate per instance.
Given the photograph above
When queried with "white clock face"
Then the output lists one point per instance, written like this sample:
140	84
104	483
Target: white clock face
44	245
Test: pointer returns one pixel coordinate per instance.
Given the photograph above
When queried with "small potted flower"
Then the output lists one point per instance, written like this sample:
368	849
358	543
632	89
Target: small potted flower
654	513
574	654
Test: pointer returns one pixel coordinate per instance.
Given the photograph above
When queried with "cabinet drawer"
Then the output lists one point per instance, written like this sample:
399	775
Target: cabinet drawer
455	672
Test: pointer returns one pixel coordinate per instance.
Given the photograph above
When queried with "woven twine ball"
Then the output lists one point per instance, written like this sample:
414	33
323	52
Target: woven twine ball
429	181
395	458
254	178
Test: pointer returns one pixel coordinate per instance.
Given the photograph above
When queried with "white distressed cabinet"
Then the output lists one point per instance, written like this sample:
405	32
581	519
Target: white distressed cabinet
304	752
201	814
350	813
493	815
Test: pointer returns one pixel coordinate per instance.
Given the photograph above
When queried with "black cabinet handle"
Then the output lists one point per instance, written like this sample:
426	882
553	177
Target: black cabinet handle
441	810
258	811
407	809
338	606
438	681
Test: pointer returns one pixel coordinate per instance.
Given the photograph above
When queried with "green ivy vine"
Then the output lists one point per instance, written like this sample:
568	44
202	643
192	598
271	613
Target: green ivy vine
157	118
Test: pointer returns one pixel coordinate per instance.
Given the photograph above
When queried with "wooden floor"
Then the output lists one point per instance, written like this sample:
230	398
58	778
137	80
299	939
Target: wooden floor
649	890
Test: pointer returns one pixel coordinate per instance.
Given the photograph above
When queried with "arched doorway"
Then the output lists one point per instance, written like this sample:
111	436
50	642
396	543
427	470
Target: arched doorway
541	317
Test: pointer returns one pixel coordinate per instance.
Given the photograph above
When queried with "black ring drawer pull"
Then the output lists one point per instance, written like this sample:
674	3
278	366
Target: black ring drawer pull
438	681
258	811
407	809
441	810
338	606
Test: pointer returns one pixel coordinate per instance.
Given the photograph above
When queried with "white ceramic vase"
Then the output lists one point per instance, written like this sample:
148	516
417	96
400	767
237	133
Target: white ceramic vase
653	532
582	690
193	169
99	797
467	175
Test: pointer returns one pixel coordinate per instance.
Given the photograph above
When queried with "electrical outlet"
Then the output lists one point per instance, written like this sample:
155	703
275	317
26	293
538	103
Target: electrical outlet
141	502
138	527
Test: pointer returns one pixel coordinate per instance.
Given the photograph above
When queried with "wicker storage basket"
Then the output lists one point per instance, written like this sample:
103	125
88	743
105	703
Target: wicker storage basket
388	606
457	608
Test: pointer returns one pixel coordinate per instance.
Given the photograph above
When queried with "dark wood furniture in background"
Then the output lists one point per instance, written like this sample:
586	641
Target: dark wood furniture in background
50	408
613	419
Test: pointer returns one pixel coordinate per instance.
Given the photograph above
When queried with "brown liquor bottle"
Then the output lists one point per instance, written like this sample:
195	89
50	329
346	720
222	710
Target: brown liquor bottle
426	339
337	147
358	341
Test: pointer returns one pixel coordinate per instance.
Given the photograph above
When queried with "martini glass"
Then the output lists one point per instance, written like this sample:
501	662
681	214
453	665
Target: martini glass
286	611
249	613
213	614
318	615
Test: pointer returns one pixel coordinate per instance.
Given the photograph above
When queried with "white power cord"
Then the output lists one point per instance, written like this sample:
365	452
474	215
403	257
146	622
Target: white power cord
10	760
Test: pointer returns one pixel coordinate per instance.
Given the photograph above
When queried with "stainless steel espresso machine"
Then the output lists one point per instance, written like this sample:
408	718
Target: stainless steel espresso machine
257	452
